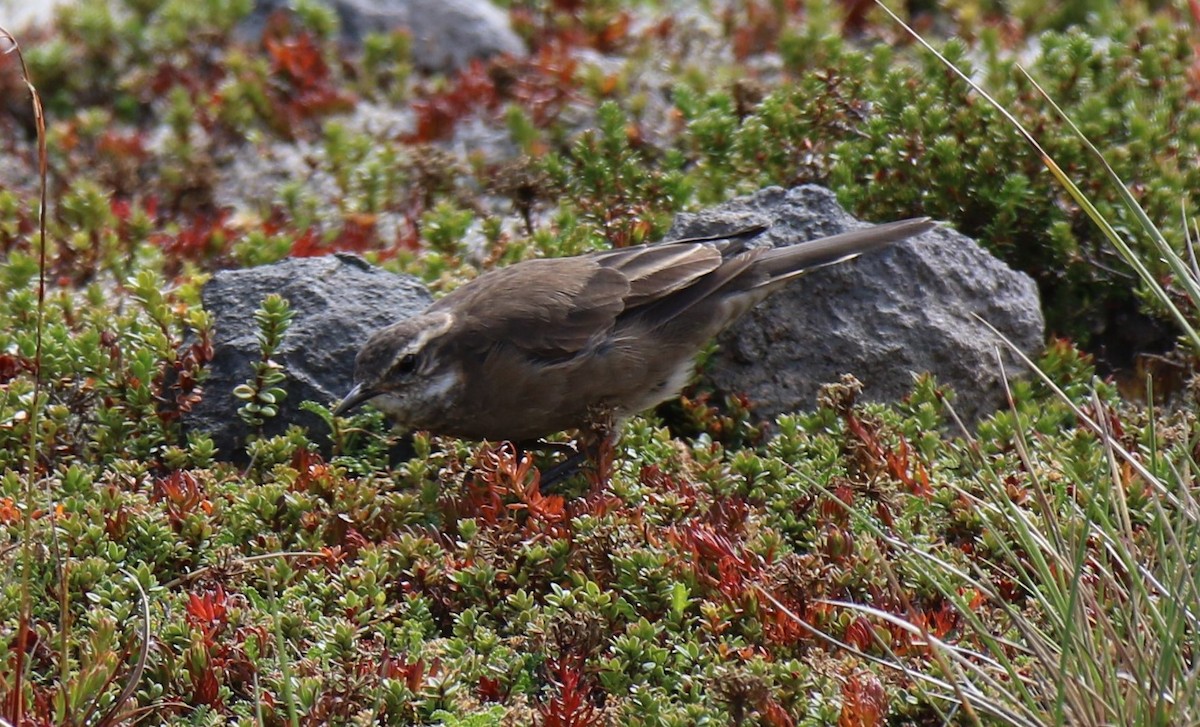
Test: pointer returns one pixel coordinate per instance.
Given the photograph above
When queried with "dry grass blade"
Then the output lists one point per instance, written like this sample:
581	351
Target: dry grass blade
16	708
240	562
1185	505
949	691
135	676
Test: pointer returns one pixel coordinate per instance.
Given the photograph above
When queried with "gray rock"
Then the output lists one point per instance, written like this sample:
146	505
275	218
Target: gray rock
882	317
446	34
338	300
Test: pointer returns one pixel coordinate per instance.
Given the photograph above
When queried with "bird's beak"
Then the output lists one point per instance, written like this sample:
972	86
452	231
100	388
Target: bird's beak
357	395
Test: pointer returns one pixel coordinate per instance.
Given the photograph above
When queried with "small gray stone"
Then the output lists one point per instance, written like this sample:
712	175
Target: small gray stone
882	317
338	300
446	34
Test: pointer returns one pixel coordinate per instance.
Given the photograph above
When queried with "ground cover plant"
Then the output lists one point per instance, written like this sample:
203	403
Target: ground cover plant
860	564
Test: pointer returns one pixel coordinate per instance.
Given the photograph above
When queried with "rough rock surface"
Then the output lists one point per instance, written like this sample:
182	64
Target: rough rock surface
446	34
338	300
883	317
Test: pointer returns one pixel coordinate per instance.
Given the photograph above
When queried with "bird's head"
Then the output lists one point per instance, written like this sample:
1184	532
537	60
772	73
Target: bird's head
400	371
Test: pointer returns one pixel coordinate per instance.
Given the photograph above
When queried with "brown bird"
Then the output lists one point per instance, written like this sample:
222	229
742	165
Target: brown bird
580	342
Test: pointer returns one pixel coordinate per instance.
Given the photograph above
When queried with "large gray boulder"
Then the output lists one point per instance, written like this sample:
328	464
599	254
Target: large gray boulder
338	301
446	34
883	317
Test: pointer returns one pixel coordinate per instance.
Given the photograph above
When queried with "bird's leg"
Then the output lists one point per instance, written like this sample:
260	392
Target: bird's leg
593	447
564	469
567	468
598	441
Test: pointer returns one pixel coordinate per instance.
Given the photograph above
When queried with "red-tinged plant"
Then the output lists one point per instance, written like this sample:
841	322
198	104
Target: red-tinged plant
543	85
312	474
860	634
122	154
775	715
728	514
490	689
911	473
302	85
941	621
116	523
716	559
754	26
507	488
207	613
570	705
864	702
412	673
205	236
309	244
875	456
438	112
206	688
11	366
9	514
184	390
835	509
573	24
183	496
780	626
358	234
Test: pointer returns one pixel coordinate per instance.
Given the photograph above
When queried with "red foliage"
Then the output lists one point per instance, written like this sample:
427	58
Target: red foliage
208	614
186	369
506	490
716	559
754	26
542	85
546	83
1106	417
780	618
301	83
313	475
860	634
438	112
183	495
358	234
412	673
836	509
11	366
896	462
572	23
941	622
775	715
205	236
490	690
864	702
20	647
9	513
571	704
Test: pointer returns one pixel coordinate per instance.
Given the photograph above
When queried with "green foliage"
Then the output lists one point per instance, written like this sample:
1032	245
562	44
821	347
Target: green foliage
894	139
613	186
262	392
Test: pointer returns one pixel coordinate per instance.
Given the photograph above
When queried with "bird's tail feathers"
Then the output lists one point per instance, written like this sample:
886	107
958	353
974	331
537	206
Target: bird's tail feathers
784	263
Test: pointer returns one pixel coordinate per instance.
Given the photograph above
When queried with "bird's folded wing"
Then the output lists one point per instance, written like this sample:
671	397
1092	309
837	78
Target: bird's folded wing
549	309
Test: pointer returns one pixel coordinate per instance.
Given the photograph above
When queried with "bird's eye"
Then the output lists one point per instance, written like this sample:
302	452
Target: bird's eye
405	365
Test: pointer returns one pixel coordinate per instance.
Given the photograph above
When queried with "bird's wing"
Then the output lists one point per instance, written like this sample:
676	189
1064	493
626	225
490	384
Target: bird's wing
657	272
549	309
